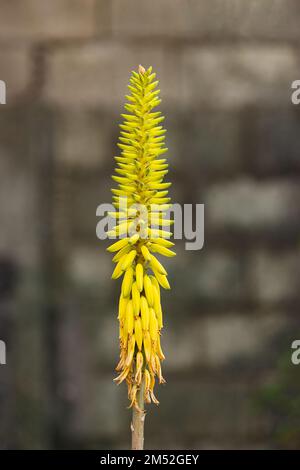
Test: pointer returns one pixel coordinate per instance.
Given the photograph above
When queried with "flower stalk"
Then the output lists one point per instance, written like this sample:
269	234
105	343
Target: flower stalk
138	421
143	231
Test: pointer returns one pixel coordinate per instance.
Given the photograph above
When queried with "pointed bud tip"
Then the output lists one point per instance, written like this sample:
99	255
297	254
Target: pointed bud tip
141	69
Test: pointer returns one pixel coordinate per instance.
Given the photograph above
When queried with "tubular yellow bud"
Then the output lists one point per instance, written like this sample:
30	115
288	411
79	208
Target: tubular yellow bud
139	275
138	332
148	290
129	317
153	325
162	250
118	245
163	242
146	253
128	260
136	301
127	282
155	284
144	313
155	264
163	281
156	296
118	269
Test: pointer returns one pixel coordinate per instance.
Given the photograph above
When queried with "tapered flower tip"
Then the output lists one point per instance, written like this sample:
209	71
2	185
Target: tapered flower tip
141	69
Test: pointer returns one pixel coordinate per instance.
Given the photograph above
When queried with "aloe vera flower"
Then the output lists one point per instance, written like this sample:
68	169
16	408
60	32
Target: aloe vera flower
141	201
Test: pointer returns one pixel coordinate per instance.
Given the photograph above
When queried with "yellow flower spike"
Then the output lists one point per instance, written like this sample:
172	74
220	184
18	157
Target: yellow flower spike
139	182
118	271
121	253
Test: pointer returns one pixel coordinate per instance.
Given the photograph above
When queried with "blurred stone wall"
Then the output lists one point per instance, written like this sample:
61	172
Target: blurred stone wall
225	70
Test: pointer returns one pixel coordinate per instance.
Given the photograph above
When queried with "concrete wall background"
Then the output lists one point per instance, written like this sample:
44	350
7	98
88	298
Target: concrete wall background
225	70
